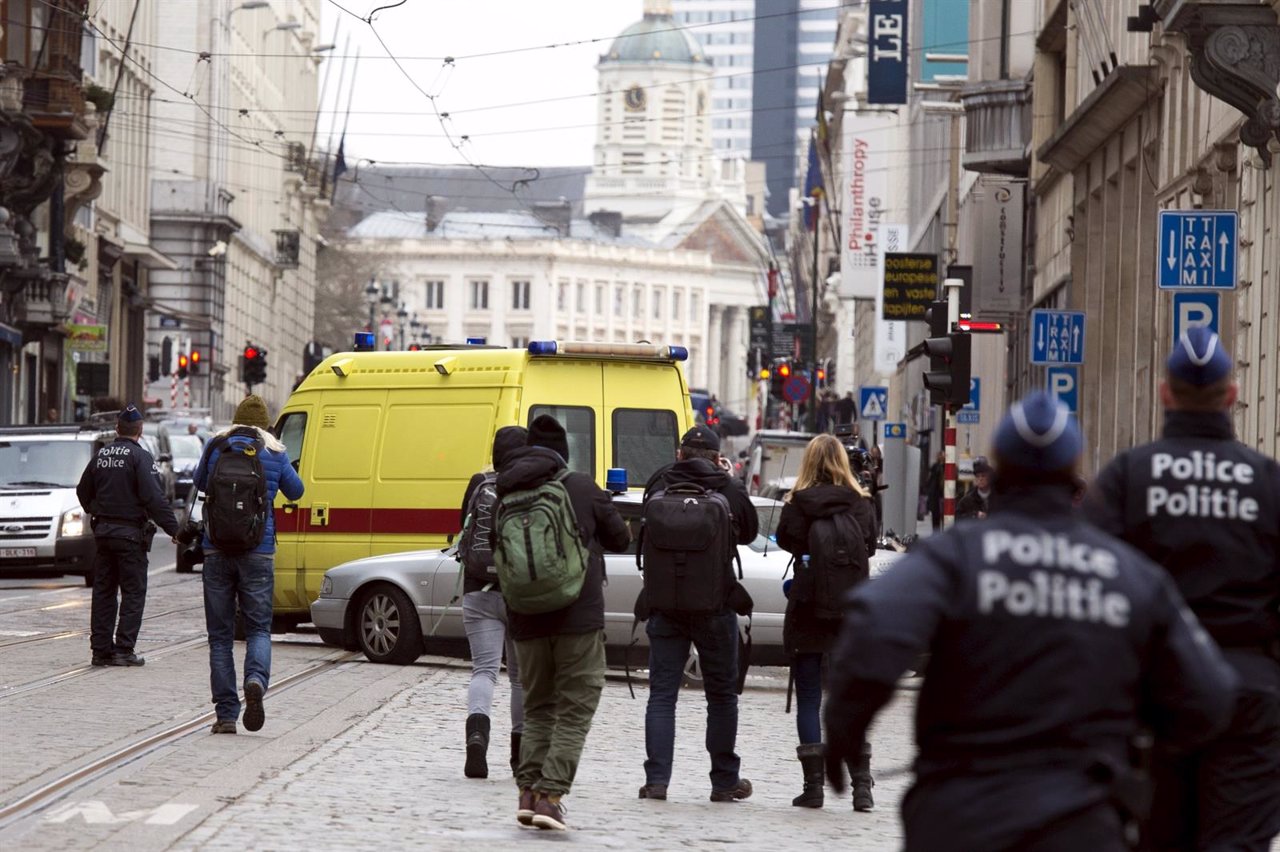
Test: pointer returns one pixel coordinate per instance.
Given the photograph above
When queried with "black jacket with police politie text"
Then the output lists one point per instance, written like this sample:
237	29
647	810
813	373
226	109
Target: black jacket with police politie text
1207	508
601	526
1050	643
120	489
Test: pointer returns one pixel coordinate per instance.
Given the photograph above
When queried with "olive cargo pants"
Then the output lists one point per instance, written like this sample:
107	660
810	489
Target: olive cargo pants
563	677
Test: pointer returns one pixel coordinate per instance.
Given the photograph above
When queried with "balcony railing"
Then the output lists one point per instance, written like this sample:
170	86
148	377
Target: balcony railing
997	127
53	95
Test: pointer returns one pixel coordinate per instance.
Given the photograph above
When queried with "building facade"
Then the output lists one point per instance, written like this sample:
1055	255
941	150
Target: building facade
235	199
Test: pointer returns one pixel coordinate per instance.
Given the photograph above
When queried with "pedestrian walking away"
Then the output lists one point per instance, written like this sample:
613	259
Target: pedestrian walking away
240	472
484	613
121	491
975	504
695	515
550	531
1050	645
1207	508
828	526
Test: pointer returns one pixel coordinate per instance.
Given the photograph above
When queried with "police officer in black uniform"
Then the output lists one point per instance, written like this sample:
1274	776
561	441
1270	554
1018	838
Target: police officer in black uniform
121	490
1049	641
1207	508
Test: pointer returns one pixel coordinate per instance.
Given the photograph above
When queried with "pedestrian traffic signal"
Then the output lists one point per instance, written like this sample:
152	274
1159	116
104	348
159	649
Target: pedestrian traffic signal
182	365
193	362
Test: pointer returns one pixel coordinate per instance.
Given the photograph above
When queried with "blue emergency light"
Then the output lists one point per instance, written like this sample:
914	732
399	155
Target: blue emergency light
366	341
542	347
677	353
615	480
475	341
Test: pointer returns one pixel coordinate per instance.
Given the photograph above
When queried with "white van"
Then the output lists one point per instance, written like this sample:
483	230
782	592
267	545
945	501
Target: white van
43	528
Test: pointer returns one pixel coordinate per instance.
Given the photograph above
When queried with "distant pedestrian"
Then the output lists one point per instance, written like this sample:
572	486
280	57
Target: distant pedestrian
120	489
828	526
240	472
1207	508
846	409
561	650
934	489
1049	644
695	516
975	503
484	611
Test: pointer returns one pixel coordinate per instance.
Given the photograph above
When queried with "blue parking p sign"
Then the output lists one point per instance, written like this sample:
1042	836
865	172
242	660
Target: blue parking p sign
1064	383
1193	310
1198	249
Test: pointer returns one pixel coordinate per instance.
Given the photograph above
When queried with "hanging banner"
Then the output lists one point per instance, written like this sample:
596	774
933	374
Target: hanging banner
891	337
997	246
887	52
866	192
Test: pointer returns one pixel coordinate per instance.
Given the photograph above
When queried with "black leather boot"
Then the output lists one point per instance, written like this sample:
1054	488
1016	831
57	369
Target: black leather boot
477	746
860	774
515	753
812	764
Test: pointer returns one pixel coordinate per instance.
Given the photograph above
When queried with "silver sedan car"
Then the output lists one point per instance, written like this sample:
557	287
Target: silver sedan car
396	607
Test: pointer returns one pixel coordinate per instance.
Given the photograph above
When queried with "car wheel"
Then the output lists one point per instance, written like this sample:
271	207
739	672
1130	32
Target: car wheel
387	627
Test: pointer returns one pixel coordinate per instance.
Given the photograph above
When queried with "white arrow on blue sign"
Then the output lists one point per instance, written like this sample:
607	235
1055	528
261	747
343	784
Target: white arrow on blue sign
1057	337
873	402
970	413
1198	249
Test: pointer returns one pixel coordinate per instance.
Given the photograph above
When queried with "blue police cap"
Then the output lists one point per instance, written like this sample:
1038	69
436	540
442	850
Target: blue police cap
1038	433
1198	358
130	415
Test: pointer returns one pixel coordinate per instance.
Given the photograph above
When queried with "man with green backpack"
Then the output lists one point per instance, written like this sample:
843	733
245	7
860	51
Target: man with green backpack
550	530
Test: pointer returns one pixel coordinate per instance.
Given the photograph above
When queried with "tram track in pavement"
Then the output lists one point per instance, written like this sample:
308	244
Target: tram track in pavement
8	692
66	634
36	800
76	599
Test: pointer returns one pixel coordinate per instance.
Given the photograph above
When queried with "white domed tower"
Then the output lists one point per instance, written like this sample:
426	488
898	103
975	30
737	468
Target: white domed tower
653	145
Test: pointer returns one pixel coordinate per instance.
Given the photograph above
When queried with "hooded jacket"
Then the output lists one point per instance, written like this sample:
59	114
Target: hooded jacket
602	529
507	440
276	468
803	632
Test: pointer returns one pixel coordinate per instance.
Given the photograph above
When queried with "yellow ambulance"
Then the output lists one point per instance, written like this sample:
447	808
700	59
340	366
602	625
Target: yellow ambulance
386	442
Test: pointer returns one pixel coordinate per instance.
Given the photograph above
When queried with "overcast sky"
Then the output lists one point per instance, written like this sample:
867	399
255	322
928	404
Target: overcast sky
393	121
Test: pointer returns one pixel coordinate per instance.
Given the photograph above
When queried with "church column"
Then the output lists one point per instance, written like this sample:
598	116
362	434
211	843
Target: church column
712	357
735	362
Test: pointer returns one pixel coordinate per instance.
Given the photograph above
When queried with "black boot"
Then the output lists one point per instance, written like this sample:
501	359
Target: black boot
860	774
477	745
515	753
811	763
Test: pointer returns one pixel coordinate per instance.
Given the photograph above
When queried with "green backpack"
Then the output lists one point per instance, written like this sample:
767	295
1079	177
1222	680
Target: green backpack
538	549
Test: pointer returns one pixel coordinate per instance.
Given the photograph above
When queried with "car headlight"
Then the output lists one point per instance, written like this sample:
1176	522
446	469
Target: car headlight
72	523
326	586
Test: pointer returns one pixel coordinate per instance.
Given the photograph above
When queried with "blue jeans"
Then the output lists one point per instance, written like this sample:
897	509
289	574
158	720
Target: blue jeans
249	579
716	638
484	619
806	671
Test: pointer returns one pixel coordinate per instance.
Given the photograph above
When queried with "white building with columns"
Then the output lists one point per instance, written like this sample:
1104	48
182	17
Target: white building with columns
664	253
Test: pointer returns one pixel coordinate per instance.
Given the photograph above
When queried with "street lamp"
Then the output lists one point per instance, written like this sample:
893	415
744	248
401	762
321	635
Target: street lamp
402	319
386	304
414	327
287	26
371	292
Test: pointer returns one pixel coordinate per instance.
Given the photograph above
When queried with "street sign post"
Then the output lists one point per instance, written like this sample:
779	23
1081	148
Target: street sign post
796	389
761	327
970	412
1194	309
873	402
1064	383
1198	249
1057	337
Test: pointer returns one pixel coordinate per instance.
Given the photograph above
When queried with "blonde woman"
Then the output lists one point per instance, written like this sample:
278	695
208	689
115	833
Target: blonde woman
828	525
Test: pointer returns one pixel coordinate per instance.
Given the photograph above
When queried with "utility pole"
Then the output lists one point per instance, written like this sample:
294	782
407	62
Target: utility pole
813	325
951	287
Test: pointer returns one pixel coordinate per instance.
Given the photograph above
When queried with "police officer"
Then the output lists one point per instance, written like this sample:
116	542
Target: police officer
121	490
1049	641
1207	508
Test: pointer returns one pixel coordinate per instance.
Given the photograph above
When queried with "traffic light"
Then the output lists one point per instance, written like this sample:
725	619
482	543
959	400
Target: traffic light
415	347
153	368
950	360
193	362
253	365
182	365
822	376
781	373
711	415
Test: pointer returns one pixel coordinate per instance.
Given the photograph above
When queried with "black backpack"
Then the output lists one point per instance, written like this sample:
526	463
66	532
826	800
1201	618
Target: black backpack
474	548
235	506
837	563
686	550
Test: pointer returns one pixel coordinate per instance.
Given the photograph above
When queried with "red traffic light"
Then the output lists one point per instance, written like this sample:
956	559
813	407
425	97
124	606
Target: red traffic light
195	356
822	375
182	361
784	370
250	353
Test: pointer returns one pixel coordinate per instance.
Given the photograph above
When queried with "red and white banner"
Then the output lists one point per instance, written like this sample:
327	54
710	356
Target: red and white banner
865	167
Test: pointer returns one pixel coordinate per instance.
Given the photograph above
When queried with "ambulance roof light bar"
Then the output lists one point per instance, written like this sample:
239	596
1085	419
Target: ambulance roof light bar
633	350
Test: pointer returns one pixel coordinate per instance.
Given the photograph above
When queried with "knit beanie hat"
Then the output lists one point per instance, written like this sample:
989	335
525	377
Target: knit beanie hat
1038	433
507	439
546	431
1198	358
252	411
